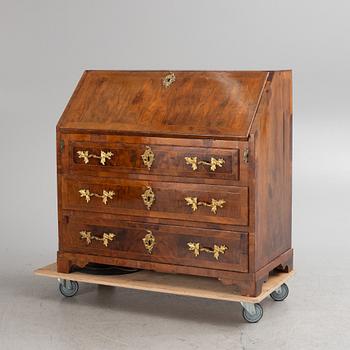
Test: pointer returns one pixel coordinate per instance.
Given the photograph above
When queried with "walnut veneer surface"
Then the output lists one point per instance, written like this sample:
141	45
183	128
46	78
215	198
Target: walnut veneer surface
182	172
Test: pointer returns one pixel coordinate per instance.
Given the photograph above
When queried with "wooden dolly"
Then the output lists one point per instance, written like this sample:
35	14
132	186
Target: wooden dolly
202	287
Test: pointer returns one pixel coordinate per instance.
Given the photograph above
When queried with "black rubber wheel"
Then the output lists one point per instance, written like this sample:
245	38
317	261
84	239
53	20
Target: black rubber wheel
253	318
68	288
281	294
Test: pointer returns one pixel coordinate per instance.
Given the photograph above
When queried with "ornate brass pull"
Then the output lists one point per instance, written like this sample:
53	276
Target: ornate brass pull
105	195
214	205
106	237
148	197
194	162
148	157
196	248
149	241
169	79
103	156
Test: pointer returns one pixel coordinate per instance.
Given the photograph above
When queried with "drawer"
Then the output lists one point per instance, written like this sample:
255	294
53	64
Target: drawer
223	250
169	200
109	158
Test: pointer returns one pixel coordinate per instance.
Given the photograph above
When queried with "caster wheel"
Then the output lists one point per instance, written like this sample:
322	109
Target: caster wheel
254	316
68	288
281	293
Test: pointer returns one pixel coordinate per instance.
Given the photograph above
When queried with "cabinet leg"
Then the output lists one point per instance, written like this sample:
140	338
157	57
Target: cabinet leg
253	288
64	265
286	266
259	283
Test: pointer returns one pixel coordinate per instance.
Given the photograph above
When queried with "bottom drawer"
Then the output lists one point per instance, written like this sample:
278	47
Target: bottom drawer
224	250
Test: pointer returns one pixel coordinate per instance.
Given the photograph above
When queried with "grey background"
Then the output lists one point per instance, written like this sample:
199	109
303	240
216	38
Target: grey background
44	48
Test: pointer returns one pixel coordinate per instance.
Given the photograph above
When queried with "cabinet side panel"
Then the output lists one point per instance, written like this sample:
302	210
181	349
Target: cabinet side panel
60	149
273	170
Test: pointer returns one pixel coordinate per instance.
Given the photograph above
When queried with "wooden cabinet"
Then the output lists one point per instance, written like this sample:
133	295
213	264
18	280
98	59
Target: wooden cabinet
179	172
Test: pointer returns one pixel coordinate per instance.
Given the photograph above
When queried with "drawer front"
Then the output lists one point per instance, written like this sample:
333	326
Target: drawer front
193	202
89	157
158	243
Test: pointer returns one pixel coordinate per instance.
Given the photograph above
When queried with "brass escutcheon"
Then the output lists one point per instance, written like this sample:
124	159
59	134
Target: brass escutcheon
149	241
148	197
148	157
169	79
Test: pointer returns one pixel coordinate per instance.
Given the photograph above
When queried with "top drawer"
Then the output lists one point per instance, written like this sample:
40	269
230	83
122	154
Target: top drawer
195	160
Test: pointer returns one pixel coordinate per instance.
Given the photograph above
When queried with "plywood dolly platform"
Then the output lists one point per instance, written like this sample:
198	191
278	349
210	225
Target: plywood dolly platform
202	287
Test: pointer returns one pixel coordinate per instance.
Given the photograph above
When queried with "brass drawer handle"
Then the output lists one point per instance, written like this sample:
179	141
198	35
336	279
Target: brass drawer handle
106	237
216	251
169	79
105	195
149	241
194	162
103	156
148	197
214	205
148	157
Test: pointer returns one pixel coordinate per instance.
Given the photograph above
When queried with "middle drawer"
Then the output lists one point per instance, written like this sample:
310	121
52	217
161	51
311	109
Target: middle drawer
168	200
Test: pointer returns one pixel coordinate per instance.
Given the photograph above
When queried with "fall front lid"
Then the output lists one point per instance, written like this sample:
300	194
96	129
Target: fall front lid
182	103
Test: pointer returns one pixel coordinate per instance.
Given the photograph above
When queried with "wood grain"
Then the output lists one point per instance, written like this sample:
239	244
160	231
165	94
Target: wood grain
213	104
273	170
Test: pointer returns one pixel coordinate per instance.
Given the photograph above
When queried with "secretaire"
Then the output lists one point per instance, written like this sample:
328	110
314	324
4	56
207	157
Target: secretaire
180	172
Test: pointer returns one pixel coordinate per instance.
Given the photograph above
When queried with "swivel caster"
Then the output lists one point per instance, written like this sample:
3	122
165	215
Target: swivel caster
280	293
68	288
252	313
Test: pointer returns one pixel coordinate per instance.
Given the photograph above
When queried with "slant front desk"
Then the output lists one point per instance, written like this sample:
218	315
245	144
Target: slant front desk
179	172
